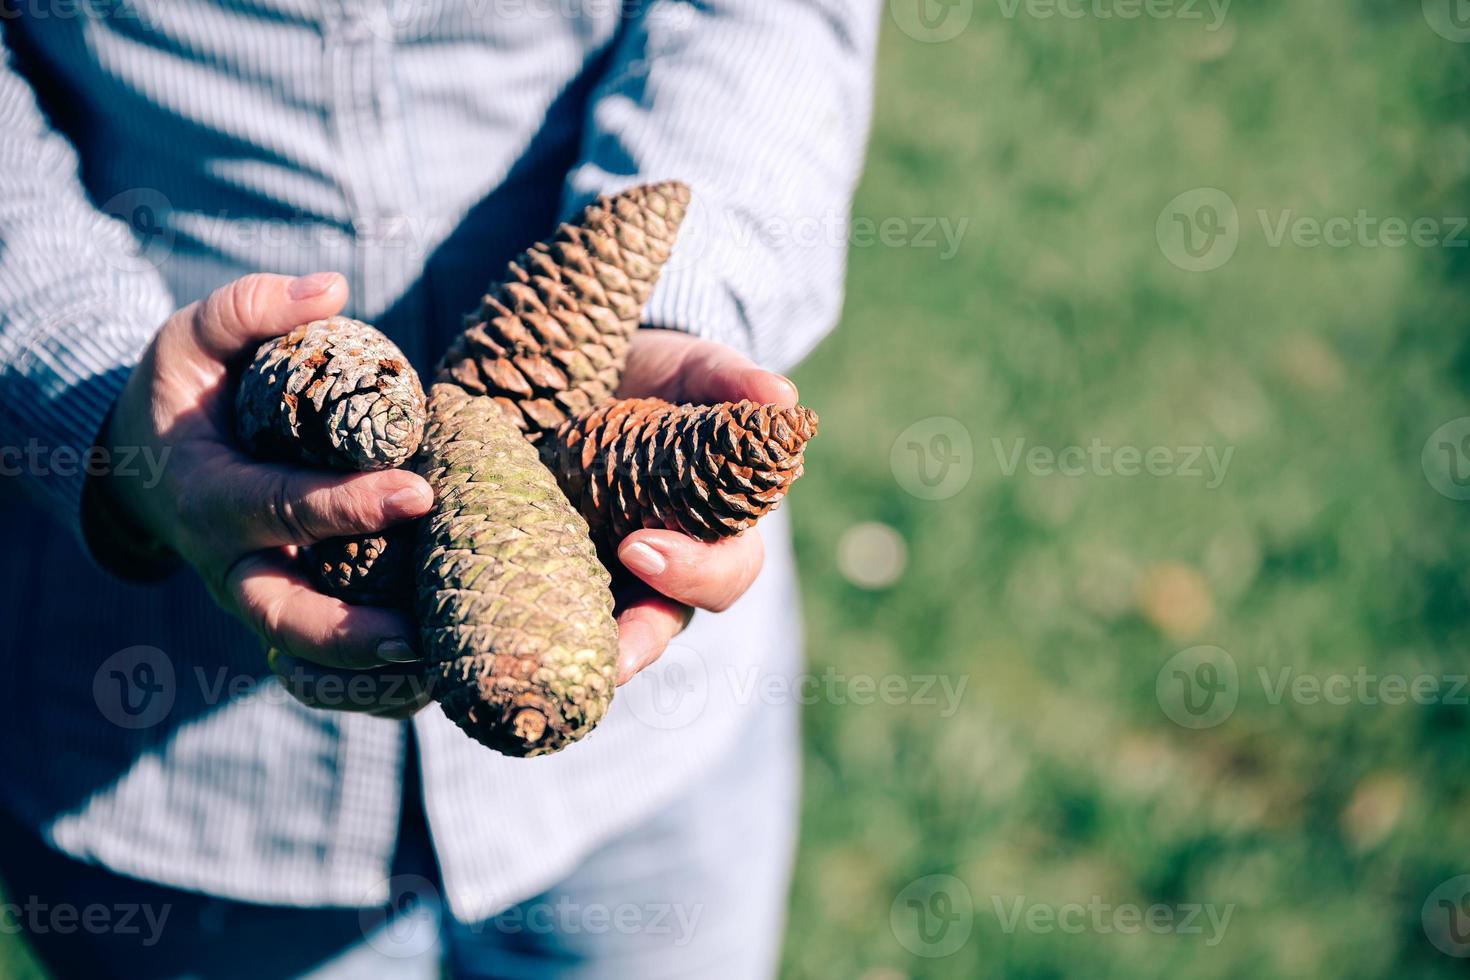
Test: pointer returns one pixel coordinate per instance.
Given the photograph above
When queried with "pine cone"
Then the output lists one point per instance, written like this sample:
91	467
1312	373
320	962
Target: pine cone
514	608
552	341
334	393
710	471
372	570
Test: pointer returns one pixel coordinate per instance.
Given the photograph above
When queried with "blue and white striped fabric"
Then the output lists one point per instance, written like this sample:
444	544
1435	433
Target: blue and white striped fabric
413	145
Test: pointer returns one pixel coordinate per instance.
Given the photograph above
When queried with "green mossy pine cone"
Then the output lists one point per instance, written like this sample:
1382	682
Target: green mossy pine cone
514	608
551	342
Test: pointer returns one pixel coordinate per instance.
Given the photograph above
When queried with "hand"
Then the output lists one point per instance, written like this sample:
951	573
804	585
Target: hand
679	573
238	521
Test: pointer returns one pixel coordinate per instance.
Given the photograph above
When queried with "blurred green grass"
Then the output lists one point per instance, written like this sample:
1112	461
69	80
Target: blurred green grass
1324	550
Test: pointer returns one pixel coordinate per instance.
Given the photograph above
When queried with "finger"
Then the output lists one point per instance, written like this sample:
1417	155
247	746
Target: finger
275	600
708	576
715	373
645	628
681	368
248	506
387	693
240	315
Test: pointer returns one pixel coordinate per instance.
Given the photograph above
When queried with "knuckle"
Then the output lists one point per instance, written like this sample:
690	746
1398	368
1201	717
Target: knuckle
273	616
742	572
184	322
724	599
263	613
243	299
293	521
353	508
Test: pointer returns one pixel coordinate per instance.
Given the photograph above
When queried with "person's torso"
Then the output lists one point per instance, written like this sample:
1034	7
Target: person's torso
415	146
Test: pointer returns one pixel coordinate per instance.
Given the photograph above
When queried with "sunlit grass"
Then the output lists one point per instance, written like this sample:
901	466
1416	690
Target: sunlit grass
1323	550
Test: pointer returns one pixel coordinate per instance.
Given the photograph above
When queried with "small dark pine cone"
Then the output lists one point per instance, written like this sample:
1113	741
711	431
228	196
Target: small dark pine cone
335	393
372	570
710	471
552	341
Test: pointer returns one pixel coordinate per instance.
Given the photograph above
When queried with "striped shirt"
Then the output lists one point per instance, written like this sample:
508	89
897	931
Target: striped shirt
153	150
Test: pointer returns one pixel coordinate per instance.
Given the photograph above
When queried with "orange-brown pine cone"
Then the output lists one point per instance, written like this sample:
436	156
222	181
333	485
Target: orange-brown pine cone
551	342
710	471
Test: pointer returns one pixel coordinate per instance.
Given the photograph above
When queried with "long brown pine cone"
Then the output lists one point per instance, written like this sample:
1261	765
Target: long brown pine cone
710	471
551	342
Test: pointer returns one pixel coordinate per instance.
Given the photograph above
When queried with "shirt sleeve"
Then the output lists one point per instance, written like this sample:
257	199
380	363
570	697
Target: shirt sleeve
79	302
763	108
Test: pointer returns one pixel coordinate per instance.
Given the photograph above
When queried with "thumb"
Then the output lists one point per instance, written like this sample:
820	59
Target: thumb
715	373
240	315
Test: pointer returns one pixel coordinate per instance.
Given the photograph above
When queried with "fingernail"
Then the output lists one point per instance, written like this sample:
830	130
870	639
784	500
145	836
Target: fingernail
396	652
408	502
305	287
643	560
791	387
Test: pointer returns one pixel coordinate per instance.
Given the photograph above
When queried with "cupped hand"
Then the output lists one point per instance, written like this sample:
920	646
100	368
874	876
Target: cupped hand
678	573
238	521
